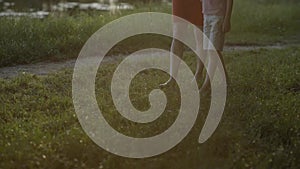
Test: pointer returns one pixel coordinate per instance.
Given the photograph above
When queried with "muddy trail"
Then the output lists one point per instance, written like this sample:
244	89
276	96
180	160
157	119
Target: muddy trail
44	68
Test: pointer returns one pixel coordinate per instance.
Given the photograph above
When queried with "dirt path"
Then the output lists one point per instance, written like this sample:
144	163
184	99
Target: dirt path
44	68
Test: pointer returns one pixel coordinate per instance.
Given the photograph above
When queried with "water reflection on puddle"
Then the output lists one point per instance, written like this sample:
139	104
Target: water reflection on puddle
42	10
37	14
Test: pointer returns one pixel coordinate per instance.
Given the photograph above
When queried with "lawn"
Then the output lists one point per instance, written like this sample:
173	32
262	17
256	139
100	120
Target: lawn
260	127
265	22
61	36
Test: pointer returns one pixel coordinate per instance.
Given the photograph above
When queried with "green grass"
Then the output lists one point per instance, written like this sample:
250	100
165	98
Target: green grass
260	127
264	22
62	36
57	37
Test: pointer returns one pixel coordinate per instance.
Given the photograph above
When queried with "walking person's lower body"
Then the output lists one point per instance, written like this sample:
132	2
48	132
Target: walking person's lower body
190	10
213	46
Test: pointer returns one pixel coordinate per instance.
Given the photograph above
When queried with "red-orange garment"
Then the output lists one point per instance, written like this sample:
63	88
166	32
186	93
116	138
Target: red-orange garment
190	10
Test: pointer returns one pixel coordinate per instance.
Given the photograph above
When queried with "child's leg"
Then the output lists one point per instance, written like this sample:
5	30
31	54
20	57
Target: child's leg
223	64
212	65
215	35
177	48
199	48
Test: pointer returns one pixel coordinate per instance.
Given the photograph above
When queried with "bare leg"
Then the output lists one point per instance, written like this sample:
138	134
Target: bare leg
177	48
212	65
223	64
199	70
199	48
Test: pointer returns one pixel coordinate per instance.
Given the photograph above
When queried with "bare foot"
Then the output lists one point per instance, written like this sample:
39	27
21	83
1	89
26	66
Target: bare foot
167	82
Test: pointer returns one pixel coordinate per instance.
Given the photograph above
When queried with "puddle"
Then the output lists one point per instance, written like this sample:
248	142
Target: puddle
38	14
42	9
91	6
